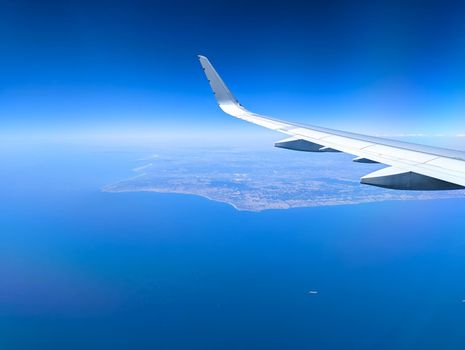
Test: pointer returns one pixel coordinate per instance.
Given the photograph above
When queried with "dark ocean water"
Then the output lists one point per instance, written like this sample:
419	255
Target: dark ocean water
82	269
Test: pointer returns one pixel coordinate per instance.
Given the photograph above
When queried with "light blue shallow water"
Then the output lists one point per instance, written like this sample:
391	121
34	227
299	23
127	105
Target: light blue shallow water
84	269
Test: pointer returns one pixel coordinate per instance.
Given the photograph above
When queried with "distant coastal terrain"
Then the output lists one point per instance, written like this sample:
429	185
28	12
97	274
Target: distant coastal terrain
260	180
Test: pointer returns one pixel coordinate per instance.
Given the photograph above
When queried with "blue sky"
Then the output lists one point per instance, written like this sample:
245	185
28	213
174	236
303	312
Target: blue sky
383	67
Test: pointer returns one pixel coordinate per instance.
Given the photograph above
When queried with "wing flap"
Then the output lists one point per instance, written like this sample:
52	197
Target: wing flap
400	179
297	144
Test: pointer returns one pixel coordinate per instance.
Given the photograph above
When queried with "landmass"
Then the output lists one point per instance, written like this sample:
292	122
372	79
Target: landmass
259	180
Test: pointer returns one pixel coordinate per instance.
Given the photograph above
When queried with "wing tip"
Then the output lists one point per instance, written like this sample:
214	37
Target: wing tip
203	60
222	93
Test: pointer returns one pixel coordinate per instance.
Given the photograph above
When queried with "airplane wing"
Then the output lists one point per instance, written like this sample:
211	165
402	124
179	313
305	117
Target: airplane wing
410	166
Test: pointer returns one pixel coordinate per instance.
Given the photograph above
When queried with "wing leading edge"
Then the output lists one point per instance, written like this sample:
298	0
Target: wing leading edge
411	166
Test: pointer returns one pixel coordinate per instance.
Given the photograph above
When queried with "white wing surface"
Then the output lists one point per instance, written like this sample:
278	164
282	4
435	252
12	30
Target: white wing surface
410	166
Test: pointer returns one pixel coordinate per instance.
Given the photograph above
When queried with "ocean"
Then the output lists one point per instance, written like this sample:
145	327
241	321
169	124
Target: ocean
85	269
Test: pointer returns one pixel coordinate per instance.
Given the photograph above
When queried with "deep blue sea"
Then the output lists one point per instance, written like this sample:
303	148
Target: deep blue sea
83	269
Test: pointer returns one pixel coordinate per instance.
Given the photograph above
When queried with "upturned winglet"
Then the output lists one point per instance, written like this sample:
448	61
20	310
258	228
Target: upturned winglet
222	94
